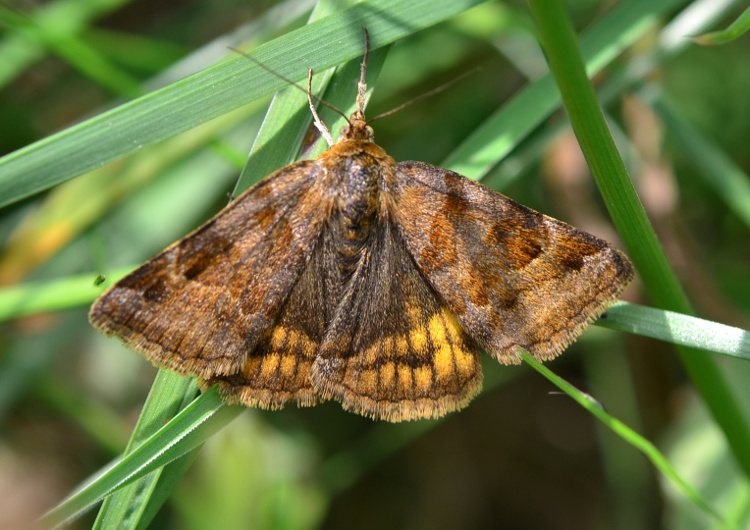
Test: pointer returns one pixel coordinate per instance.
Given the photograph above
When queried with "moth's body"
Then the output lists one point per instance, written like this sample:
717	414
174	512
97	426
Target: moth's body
354	278
356	170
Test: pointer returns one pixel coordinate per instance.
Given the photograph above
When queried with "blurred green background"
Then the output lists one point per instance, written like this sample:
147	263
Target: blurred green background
521	455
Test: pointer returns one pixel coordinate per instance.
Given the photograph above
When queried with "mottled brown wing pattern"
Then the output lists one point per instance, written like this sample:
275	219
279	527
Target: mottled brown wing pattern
277	370
201	306
353	278
514	278
393	351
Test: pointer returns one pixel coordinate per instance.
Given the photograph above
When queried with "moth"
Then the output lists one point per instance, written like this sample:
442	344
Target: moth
355	278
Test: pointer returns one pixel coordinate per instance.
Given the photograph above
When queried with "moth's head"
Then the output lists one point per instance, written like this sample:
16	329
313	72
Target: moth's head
357	128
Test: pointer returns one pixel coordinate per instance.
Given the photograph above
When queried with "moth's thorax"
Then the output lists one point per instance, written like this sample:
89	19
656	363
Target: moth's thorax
356	170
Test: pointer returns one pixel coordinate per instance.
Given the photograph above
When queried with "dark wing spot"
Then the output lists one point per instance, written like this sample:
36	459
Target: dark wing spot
576	248
571	261
524	237
521	252
197	254
155	292
507	301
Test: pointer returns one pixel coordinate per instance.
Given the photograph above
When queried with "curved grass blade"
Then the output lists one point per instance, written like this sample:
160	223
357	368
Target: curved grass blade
213	92
503	131
559	42
169	394
627	434
736	29
186	431
33	298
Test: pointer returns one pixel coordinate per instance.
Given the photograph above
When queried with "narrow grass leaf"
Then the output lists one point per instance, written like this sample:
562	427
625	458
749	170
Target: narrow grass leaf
190	428
736	29
213	92
44	296
627	434
169	394
677	328
559	42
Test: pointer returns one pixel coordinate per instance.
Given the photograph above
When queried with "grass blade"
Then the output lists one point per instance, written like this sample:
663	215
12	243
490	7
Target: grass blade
186	431
678	328
559	42
213	92
627	434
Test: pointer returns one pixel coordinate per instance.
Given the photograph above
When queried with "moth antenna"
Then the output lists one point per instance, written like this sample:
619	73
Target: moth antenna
362	87
318	122
426	95
295	85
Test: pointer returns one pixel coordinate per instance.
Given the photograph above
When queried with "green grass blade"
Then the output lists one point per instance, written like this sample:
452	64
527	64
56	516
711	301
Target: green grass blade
677	328
186	431
169	476
213	92
630	436
169	394
736	29
41	297
559	42
504	130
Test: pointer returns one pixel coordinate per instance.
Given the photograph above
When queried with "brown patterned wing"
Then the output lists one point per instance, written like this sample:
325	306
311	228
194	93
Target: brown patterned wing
277	370
201	306
516	279
393	351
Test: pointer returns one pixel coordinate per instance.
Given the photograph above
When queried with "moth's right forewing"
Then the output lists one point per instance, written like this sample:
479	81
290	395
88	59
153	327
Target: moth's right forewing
516	279
201	305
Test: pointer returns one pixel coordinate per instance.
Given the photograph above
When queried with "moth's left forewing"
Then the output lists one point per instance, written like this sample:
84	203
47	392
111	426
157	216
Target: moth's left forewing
200	306
515	279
